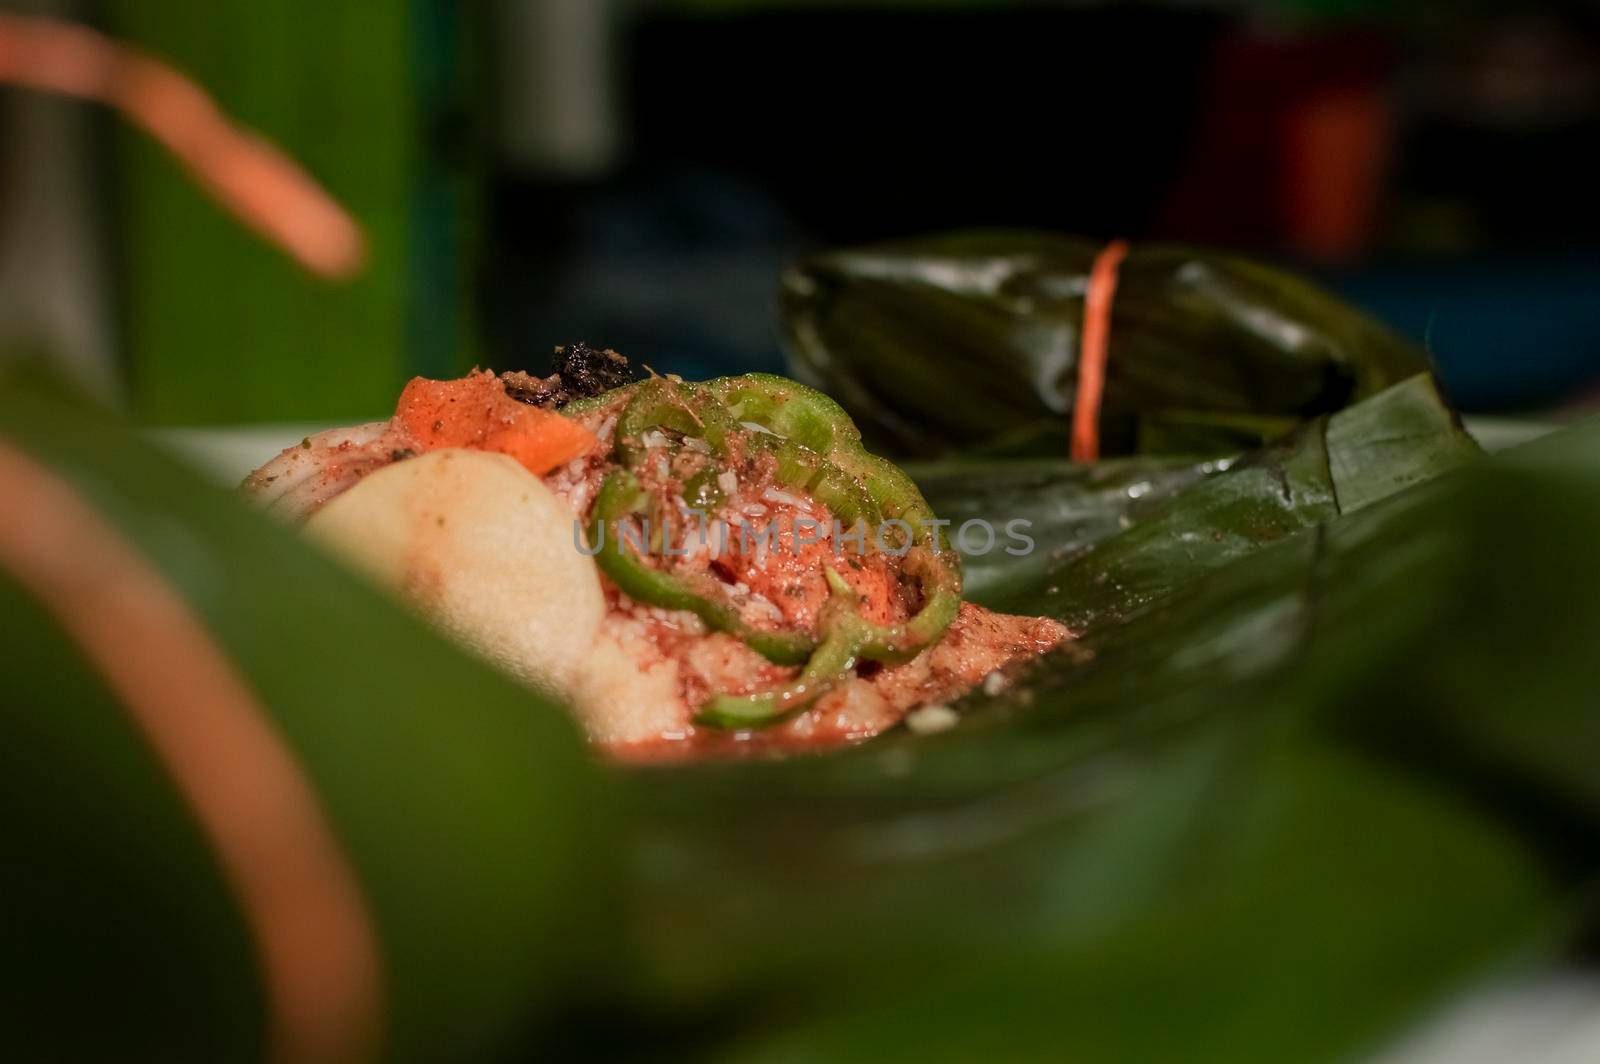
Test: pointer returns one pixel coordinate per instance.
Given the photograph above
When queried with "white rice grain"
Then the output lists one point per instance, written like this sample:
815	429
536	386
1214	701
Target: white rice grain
930	720
782	498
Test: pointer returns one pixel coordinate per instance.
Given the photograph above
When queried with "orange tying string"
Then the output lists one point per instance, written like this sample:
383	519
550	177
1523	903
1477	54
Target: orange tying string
253	179
1092	351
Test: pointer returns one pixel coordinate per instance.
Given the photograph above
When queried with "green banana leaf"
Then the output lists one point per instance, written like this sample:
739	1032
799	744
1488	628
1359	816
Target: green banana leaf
466	805
1172	516
969	340
1270	815
1068	506
1286	791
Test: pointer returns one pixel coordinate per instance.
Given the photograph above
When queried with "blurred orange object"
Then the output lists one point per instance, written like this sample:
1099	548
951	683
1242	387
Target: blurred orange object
1293	146
256	181
1336	152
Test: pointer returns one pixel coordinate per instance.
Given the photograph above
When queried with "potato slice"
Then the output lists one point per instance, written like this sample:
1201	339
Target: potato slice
483	548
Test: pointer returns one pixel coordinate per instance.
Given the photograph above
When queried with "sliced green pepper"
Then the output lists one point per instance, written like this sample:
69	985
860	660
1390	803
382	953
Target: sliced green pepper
817	449
808	417
621	495
830	665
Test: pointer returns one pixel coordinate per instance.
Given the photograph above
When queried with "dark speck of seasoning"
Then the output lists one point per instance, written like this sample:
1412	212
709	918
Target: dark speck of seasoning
438	426
306	443
439	520
586	372
400	454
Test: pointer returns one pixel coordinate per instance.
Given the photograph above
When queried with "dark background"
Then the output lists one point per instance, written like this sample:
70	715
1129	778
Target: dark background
636	174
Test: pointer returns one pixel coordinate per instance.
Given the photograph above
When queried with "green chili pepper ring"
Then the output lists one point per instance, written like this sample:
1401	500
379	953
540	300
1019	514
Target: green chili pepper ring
818	450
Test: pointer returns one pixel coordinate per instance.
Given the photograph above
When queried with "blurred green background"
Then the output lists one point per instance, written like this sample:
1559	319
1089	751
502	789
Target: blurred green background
360	94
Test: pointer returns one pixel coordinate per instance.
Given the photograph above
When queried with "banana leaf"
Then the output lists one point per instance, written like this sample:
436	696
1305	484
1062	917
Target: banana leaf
1335	768
969	340
1206	843
1272	815
1168	518
451	789
1068	506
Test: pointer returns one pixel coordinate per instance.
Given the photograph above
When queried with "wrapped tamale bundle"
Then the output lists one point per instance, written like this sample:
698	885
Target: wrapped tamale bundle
973	340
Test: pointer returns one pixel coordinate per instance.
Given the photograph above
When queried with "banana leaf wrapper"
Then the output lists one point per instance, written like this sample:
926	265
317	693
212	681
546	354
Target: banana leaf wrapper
1114	535
970	341
466	805
1276	813
1333	769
